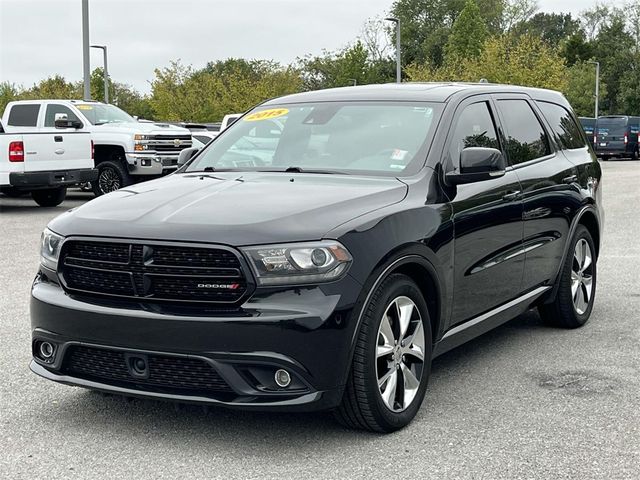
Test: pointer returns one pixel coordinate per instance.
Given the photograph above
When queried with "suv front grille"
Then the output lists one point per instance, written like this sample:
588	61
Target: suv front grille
153	271
181	375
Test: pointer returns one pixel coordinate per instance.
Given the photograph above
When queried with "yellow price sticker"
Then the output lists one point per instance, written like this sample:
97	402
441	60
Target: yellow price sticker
84	107
266	114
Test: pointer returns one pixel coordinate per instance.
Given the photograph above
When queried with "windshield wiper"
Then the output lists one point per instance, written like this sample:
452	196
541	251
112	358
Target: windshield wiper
302	170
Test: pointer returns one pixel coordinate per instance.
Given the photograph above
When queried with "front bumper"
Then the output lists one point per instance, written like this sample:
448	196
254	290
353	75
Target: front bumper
306	331
151	163
52	179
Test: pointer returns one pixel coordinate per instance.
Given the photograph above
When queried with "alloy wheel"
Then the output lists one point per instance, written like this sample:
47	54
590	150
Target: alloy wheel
109	180
582	276
400	354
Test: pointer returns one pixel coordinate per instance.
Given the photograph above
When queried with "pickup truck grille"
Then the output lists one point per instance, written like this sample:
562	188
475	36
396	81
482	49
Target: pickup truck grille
169	144
153	271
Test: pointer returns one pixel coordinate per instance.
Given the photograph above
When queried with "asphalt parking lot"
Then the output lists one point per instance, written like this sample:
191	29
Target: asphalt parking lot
524	401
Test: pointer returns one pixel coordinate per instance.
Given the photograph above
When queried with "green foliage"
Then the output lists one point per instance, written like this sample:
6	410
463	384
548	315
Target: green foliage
509	59
352	64
467	34
580	89
180	93
628	100
425	26
553	28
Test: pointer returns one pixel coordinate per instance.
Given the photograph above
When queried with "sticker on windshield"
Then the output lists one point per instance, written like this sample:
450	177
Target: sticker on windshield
84	107
398	154
266	114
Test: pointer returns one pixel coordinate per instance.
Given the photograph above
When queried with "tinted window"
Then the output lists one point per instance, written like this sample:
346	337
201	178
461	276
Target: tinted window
526	139
616	126
52	109
202	139
474	128
564	127
24	115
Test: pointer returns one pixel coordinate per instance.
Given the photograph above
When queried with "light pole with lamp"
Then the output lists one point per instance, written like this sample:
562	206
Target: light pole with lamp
398	68
106	73
597	95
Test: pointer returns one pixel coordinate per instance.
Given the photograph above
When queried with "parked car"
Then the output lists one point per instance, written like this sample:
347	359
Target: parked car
390	224
44	165
228	120
589	127
618	136
126	151
202	137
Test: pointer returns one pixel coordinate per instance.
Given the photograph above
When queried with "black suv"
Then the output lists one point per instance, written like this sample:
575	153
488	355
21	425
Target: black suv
324	249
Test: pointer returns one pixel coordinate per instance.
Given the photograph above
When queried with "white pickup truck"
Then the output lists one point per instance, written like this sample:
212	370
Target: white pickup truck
126	151
45	164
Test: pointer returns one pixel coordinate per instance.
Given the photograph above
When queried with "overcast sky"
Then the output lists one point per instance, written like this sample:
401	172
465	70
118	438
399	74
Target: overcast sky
39	38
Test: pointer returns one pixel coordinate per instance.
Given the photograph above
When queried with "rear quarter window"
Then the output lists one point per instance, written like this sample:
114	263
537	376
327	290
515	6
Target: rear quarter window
565	129
24	115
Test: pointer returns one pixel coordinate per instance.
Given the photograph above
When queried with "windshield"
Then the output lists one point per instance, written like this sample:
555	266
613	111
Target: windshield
98	113
337	137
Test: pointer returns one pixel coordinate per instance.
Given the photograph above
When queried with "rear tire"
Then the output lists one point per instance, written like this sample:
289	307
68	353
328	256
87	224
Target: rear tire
111	176
577	288
372	399
51	197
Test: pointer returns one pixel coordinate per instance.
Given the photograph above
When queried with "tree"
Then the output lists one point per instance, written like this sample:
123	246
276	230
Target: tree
517	12
628	99
594	18
8	93
553	28
580	89
425	25
508	59
467	34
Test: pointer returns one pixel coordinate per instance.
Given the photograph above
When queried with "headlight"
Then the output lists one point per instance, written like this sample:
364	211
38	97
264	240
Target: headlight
50	248
140	142
298	263
139	136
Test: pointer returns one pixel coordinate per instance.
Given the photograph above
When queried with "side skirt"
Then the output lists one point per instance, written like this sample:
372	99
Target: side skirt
487	321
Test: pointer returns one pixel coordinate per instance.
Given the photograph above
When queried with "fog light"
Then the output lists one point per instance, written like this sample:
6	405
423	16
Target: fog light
145	162
46	350
282	378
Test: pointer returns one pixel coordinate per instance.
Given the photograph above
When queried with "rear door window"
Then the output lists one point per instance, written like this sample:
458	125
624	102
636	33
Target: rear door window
526	138
474	128
565	129
53	109
24	115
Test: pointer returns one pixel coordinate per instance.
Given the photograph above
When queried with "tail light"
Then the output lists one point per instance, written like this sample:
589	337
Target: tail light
626	139
595	139
93	151
16	152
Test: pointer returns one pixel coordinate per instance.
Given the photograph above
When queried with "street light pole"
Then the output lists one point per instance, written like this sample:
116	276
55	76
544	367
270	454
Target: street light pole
105	71
398	67
85	50
597	95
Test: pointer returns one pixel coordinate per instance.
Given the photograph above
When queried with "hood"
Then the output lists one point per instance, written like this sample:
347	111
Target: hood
232	208
143	127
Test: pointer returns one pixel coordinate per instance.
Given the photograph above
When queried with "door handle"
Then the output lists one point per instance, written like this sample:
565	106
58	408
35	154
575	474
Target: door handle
57	138
508	197
570	179
59	151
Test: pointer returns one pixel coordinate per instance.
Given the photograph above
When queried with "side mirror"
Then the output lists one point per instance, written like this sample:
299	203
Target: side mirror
62	121
478	164
186	155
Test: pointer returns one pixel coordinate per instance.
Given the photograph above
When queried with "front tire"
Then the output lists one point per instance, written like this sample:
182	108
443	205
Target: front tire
577	289
50	197
111	177
392	359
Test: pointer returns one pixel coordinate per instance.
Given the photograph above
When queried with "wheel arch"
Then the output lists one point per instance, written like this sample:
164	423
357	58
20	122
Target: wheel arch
104	152
418	263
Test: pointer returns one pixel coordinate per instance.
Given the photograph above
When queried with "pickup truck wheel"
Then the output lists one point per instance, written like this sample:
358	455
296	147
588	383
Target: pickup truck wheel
392	359
51	197
577	289
111	177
